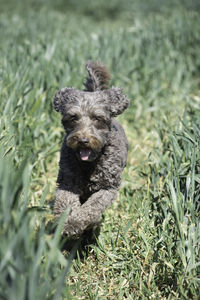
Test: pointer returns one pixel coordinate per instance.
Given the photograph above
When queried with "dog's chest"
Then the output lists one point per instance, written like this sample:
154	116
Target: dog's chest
101	177
92	182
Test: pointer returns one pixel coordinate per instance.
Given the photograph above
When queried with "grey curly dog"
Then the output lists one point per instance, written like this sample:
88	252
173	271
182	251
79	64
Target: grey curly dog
94	150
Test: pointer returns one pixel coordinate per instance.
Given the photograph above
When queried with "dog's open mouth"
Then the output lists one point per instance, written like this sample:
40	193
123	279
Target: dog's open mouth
85	154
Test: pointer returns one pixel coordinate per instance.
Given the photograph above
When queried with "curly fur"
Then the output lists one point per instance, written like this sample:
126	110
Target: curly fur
93	153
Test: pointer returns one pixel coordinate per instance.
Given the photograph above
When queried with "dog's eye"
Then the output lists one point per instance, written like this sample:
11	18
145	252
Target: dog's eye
73	118
97	118
69	120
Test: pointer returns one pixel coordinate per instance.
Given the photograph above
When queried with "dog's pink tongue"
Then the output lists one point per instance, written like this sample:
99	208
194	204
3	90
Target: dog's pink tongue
84	154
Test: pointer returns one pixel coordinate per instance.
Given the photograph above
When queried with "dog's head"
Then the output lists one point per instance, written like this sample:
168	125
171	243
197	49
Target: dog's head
86	117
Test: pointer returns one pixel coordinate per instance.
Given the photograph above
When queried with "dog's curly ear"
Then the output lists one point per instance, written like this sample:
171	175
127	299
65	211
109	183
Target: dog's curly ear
62	97
117	101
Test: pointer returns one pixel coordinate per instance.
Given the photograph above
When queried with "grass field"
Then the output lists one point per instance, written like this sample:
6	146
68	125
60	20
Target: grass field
149	245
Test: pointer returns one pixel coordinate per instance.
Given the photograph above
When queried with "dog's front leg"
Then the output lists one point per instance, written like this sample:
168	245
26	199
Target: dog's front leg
65	200
91	211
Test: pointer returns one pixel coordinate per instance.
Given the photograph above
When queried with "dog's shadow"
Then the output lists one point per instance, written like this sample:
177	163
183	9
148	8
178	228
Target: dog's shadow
82	246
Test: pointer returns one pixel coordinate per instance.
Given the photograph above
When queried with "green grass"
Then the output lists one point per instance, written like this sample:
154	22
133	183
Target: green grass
149	246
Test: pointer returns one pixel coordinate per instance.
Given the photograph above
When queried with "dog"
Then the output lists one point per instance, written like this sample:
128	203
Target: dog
94	150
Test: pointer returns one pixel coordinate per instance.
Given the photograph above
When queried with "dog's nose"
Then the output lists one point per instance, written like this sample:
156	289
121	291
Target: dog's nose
83	141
